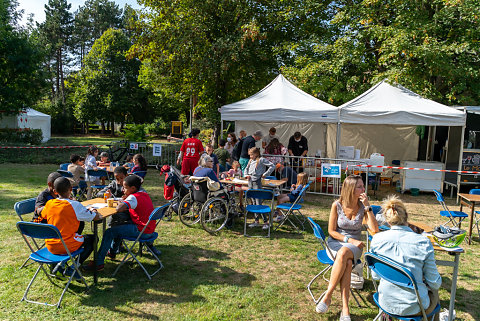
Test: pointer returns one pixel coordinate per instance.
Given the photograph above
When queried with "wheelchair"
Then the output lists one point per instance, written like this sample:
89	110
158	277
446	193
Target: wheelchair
213	209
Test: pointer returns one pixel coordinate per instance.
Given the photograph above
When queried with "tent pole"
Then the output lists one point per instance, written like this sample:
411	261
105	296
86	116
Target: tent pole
427	152
221	127
337	144
460	158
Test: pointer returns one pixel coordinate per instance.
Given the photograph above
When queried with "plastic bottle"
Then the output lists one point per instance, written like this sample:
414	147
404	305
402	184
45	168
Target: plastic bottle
106	195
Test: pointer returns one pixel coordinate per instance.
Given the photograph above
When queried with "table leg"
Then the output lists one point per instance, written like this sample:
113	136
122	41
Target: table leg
95	251
453	289
471	223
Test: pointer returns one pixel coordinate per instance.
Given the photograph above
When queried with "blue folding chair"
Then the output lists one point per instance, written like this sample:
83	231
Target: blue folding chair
452	215
22	208
44	256
476	217
64	166
293	210
395	273
141	174
156	215
271	177
323	257
261	194
97	173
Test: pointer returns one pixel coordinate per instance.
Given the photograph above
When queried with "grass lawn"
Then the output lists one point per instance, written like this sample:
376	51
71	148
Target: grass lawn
224	277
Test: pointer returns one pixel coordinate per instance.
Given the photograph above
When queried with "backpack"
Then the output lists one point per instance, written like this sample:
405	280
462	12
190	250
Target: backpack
237	150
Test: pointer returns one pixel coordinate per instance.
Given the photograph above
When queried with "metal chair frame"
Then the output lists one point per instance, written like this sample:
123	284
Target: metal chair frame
22	208
451	214
263	194
46	231
395	273
324	258
156	215
292	212
97	173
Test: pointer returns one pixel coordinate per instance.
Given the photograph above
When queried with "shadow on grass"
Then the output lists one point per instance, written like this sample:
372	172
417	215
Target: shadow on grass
186	268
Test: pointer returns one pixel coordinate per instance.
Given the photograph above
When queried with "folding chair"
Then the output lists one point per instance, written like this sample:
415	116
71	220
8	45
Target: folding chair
64	166
395	273
476	217
293	209
22	208
324	258
452	215
262	194
97	173
156	215
44	256
142	174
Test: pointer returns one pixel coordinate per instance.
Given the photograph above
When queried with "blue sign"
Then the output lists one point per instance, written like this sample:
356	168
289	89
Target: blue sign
331	170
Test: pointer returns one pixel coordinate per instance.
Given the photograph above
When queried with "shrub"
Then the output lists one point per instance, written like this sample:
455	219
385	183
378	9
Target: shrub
206	136
159	127
22	136
135	133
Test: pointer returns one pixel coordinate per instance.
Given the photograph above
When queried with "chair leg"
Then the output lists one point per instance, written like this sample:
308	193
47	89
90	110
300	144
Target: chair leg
355	297
309	285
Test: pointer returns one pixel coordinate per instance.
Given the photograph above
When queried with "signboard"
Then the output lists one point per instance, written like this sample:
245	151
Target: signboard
134	146
157	150
331	170
470	162
177	128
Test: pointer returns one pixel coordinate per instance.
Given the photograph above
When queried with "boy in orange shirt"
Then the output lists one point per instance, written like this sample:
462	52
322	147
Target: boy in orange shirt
66	215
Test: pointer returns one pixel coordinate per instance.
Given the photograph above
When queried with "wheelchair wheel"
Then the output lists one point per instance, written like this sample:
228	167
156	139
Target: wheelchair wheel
189	211
214	214
168	214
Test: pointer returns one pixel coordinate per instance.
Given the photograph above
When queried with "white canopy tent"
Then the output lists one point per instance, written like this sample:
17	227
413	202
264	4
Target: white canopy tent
34	119
282	105
395	111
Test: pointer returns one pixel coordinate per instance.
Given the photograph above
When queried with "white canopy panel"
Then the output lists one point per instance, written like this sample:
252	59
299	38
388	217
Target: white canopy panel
34	119
281	101
396	105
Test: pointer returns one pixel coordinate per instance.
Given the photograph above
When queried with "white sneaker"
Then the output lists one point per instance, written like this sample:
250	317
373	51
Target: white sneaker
255	224
279	218
265	227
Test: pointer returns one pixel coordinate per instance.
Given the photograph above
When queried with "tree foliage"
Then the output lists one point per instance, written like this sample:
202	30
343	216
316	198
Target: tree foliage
430	47
106	88
20	79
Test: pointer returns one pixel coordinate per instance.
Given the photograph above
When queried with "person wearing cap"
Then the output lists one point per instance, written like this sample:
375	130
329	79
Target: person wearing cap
285	173
268	138
190	152
44	196
104	161
297	146
248	143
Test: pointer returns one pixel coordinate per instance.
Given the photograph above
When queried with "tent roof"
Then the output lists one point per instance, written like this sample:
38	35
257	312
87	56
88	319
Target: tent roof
396	105
33	112
280	101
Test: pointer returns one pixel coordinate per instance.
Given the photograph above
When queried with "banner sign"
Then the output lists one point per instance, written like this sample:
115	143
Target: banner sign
331	170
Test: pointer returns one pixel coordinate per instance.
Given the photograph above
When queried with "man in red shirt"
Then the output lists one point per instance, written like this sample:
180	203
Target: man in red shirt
138	203
190	151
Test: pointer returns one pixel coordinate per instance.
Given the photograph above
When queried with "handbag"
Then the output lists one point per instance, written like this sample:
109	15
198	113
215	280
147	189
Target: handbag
357	280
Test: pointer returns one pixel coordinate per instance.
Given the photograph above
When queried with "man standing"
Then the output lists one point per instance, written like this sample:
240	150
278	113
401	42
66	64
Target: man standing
248	143
190	151
297	146
271	135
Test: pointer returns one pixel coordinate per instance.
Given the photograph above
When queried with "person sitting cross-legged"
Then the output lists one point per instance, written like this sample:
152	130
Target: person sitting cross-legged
140	206
66	215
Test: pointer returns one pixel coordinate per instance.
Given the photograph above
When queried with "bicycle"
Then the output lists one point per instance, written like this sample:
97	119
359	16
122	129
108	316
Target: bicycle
119	153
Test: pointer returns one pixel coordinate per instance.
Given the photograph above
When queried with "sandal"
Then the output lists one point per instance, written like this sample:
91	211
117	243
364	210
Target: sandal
345	317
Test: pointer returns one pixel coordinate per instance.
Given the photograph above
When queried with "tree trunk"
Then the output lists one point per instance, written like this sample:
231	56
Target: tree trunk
112	127
88	130
62	81
103	128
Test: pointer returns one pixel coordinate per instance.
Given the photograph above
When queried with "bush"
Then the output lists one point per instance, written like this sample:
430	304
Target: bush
206	136
159	127
22	136
135	133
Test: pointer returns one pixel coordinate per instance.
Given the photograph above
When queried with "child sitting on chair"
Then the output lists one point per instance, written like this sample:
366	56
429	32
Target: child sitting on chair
295	190
77	168
104	161
139	205
66	214
45	196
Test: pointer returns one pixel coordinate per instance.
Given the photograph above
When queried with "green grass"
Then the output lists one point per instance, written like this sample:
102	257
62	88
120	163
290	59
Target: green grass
224	277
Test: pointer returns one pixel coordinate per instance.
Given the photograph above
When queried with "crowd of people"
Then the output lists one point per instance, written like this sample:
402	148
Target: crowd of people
240	157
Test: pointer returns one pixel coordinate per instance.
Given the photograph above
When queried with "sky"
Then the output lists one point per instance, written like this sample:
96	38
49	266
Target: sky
37	7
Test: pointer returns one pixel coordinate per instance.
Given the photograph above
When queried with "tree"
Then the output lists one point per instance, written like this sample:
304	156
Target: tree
20	78
91	21
430	47
216	50
106	88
